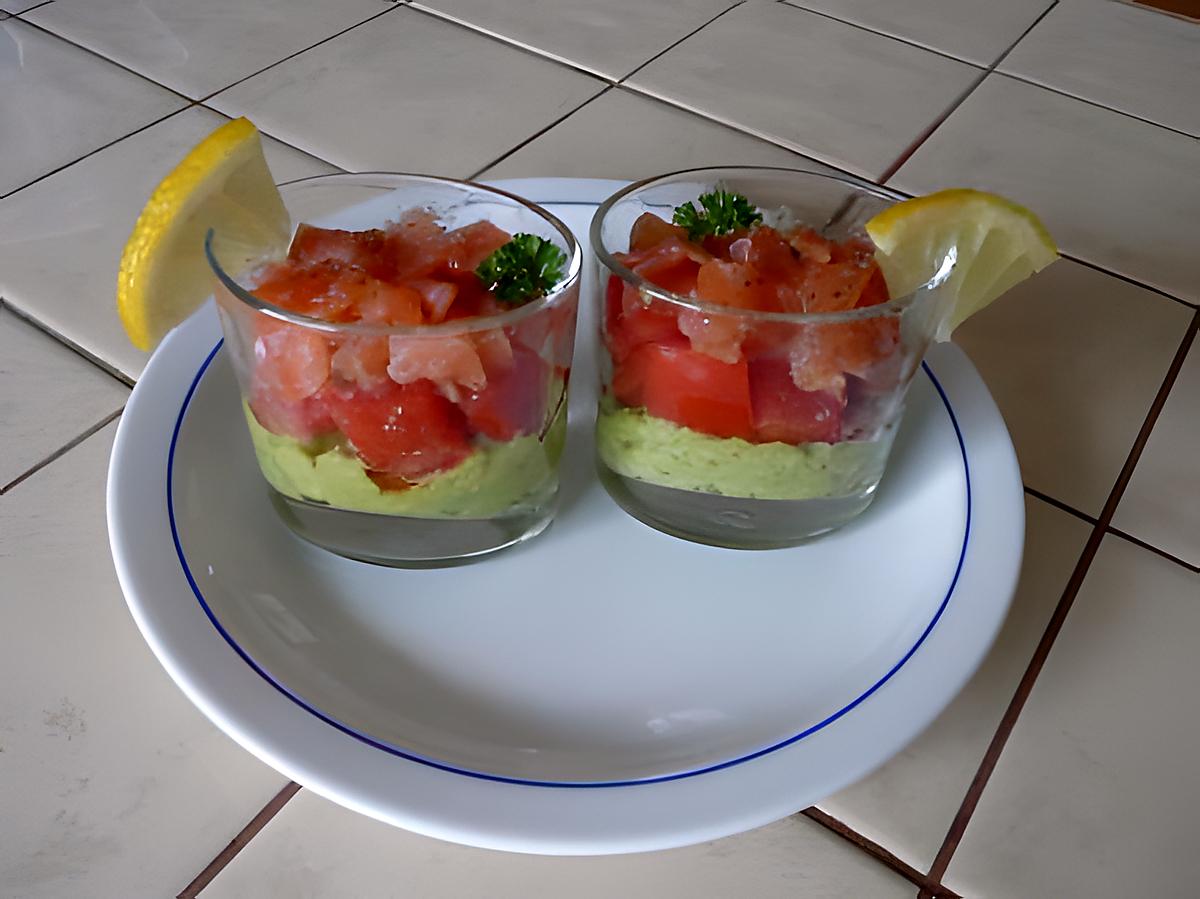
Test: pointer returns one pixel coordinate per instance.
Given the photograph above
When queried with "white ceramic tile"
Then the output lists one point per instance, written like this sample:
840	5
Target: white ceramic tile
112	784
410	93
611	38
199	48
73	293
847	96
58	103
1095	793
1119	55
314	848
1074	358
975	30
1115	191
48	396
625	135
908	804
17	6
1160	504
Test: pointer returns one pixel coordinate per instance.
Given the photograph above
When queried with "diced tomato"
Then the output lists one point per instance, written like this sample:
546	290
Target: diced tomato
838	284
495	350
473	299
649	230
688	388
304	420
631	321
713	334
389	304
436	297
876	291
733	284
362	361
291	361
471	244
823	352
514	401
811	246
447	361
672	265
314	290
363	249
409	430
416	246
783	412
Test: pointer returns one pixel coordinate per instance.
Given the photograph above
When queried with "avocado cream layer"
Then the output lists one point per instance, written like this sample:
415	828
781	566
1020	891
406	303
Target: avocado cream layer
492	480
638	445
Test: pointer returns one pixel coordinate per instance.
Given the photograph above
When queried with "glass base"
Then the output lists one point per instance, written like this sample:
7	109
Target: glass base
729	521
402	542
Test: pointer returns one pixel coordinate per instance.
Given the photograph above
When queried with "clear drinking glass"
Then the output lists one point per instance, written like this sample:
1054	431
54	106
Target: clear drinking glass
785	457
320	398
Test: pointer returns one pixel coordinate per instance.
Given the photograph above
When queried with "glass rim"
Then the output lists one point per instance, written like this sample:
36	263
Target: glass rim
457	326
648	288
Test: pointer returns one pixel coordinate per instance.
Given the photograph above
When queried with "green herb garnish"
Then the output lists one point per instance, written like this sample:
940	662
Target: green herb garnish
720	212
525	268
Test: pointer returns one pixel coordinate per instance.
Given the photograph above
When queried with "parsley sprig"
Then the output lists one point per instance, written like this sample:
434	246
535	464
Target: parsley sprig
720	213
525	268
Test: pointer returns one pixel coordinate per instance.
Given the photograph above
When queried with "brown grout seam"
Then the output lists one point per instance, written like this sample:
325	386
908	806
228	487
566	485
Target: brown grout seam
325	40
884	34
1121	112
62	450
1059	504
239	842
937	123
1158	551
510	43
876	851
100	149
509	152
69	344
1004	730
675	44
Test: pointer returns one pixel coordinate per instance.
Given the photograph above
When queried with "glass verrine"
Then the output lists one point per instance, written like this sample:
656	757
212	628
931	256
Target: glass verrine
734	426
405	444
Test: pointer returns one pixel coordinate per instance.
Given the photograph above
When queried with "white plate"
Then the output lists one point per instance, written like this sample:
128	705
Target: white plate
603	688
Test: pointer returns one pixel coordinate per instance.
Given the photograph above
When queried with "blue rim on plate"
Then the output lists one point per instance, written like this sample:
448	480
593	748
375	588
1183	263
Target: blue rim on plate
483	775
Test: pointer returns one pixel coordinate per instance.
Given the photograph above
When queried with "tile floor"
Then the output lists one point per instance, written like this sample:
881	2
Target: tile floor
1064	767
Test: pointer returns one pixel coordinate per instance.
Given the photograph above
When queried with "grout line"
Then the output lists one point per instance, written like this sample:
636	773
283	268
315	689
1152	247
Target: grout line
190	105
382	12
17	15
672	46
1124	535
95	360
1059	504
512	43
70	345
280	140
62	450
1004	730
239	842
885	34
1062	93
1126	278
873	849
507	153
937	123
759	135
97	54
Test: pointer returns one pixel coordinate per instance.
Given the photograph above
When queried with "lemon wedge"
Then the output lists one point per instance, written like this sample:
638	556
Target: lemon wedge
995	244
224	184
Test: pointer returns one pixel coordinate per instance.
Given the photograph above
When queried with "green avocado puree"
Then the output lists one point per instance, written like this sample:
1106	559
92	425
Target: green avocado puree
490	481
635	444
